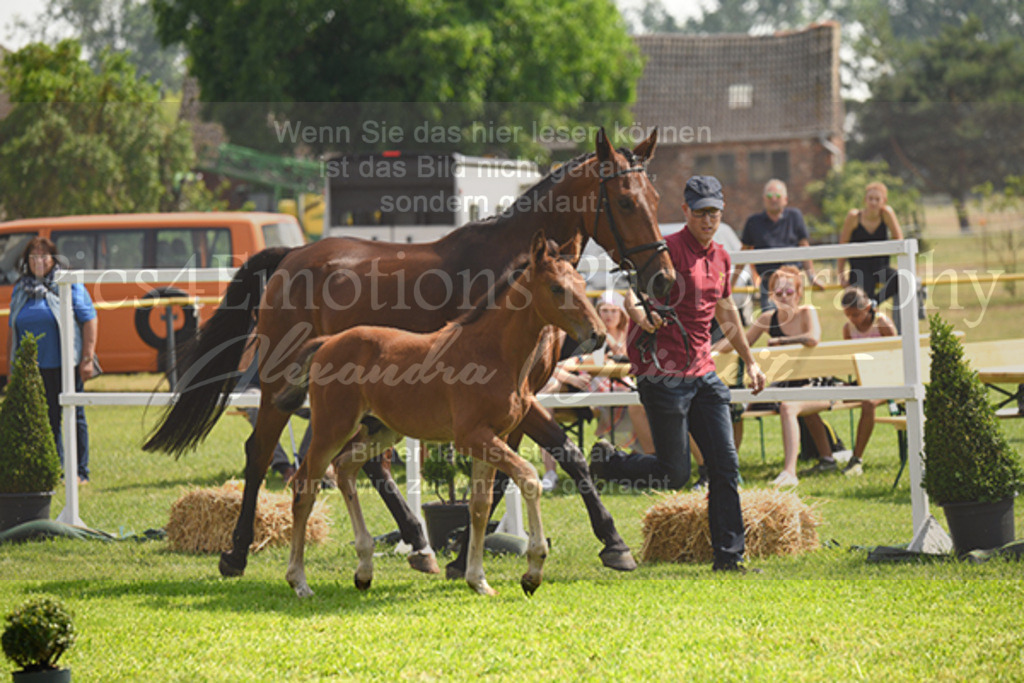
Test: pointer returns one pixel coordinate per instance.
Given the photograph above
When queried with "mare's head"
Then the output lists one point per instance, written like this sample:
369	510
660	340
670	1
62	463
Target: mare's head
626	220
558	294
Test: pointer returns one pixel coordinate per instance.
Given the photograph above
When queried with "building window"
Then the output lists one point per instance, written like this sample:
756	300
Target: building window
780	165
758	169
741	96
722	166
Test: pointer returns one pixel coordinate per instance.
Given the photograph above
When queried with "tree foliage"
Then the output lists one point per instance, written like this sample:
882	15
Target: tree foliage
967	457
77	141
120	26
551	57
947	116
843	189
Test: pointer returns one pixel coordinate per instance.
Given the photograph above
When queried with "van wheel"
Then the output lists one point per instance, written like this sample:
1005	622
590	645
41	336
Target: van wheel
152	328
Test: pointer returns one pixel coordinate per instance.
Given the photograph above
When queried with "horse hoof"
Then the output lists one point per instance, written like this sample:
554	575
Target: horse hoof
529	585
424	561
362	585
454	571
619	560
484	589
303	591
229	566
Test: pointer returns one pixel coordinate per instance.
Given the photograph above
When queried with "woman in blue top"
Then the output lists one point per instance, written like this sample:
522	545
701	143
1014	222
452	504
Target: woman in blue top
35	308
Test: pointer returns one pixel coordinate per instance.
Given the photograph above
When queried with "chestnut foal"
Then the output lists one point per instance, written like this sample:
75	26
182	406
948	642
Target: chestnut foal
466	383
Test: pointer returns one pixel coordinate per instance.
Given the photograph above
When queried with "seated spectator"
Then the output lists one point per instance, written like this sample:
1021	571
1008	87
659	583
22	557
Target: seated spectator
625	425
789	322
863	321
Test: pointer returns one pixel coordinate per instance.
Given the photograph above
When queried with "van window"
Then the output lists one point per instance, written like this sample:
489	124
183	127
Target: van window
285	234
79	248
174	249
11	246
121	249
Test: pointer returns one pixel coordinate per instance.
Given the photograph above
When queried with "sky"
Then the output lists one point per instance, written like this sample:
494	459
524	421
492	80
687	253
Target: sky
29	9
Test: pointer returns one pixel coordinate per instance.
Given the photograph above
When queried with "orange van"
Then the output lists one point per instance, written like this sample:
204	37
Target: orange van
134	339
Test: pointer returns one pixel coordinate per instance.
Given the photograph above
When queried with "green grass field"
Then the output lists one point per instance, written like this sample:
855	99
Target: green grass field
144	612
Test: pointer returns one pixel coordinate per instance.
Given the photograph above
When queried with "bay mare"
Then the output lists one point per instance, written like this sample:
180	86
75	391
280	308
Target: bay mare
338	283
500	337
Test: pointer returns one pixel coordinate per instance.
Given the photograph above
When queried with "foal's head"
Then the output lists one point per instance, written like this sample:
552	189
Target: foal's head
559	294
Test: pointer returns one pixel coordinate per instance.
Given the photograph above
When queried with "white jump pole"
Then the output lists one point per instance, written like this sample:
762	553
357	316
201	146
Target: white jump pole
69	515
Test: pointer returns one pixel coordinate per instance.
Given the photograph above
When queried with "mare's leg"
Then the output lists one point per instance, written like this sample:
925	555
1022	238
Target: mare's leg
540	426
259	451
422	556
374	438
496	452
479	513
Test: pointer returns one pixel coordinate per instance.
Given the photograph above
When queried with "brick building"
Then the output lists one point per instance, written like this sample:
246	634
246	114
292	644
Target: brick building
742	108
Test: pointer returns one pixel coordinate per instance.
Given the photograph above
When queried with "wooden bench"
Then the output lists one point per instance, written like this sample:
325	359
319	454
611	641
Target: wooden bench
885	368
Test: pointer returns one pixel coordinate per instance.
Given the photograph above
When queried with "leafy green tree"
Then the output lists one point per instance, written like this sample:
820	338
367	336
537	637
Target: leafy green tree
120	26
78	142
947	115
557	60
843	189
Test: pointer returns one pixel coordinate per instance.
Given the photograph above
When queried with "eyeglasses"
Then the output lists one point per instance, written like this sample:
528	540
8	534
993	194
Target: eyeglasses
39	257
774	195
706	213
788	291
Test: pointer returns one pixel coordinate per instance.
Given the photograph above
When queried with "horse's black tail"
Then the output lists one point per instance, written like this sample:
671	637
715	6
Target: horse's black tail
212	358
291	398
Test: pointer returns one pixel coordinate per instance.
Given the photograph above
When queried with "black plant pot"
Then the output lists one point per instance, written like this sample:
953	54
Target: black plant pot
18	508
442	519
980	526
45	676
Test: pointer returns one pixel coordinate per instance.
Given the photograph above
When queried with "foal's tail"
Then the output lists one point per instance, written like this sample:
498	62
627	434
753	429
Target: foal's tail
212	358
291	398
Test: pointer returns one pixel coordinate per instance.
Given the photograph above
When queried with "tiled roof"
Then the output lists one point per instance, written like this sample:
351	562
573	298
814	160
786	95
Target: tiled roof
789	80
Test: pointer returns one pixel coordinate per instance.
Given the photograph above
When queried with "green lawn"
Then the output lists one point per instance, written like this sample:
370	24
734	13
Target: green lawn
143	611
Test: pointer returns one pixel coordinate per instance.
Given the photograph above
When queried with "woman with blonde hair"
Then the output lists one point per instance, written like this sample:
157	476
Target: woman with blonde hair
875	222
790	322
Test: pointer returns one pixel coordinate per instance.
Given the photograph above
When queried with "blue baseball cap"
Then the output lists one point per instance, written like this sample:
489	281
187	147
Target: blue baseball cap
703	191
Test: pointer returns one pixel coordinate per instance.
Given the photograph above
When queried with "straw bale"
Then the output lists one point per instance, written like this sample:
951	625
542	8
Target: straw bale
675	529
202	520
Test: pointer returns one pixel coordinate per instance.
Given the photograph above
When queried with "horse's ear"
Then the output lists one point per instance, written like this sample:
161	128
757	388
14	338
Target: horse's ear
605	151
645	150
573	248
538	248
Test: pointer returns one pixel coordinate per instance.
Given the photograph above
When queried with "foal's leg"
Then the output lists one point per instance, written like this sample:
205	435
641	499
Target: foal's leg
479	513
305	485
259	451
540	426
493	450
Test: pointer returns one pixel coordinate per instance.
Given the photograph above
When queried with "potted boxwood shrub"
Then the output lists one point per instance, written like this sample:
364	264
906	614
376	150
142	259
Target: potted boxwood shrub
970	468
36	635
448	473
29	463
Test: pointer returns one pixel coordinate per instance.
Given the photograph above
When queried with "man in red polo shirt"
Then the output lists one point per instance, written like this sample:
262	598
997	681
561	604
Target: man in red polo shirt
676	377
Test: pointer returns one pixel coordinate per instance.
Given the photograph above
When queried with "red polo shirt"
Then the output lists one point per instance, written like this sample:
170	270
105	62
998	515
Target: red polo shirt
702	278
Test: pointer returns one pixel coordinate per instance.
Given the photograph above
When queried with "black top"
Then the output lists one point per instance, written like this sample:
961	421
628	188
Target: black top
869	271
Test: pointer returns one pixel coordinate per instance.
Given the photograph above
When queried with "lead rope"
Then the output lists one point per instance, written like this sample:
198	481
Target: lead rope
648	341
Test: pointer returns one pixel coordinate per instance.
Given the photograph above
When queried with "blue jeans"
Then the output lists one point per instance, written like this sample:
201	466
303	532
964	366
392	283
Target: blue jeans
52	384
698	406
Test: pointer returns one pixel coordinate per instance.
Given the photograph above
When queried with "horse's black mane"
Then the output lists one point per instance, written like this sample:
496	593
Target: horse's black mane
529	197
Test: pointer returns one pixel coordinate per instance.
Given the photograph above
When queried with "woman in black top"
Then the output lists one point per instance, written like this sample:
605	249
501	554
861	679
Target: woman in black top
876	222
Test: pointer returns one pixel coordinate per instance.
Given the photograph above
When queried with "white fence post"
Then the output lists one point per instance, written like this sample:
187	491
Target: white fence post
69	515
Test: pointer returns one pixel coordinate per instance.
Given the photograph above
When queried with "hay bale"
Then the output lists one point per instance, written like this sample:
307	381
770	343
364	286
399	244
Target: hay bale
777	523
202	520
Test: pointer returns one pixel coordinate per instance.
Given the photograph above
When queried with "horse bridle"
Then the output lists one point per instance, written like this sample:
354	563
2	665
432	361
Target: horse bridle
648	342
